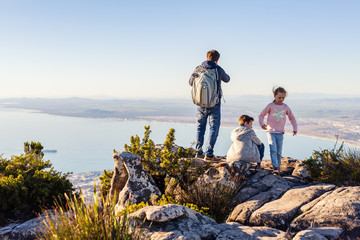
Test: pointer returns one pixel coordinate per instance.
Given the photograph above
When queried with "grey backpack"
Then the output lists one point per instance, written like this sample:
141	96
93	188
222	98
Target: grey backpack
204	90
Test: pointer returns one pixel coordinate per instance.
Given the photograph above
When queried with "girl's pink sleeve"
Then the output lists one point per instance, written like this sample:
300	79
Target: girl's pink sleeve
263	114
292	119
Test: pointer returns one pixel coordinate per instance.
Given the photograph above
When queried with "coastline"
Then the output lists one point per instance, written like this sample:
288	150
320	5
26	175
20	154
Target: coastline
175	120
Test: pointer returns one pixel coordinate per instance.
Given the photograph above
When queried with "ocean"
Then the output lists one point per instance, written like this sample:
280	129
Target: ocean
85	144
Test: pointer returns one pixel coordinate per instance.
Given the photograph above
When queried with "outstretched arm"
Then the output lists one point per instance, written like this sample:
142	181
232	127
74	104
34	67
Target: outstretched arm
292	121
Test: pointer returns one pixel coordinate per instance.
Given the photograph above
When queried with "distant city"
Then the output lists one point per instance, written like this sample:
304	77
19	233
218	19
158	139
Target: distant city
328	118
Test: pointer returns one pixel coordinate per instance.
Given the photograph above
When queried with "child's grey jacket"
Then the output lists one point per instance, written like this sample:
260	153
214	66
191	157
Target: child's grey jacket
244	146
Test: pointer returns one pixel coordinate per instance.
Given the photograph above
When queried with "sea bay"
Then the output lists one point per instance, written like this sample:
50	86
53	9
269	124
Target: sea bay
85	144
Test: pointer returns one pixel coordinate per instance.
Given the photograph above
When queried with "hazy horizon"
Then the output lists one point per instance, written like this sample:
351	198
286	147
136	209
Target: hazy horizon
291	96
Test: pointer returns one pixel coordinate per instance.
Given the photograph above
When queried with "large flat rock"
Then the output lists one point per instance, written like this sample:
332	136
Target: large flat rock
252	233
281	212
243	211
339	209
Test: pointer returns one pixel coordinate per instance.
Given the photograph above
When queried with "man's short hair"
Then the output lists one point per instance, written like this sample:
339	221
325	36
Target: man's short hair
245	119
213	55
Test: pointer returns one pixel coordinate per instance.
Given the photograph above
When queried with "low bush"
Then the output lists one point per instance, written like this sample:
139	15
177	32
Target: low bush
105	181
166	162
28	183
337	166
79	220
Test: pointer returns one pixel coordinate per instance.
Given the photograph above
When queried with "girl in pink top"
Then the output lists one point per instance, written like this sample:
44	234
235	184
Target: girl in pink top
275	125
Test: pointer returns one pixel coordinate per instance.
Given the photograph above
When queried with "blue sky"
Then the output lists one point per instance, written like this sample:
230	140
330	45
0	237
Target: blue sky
148	49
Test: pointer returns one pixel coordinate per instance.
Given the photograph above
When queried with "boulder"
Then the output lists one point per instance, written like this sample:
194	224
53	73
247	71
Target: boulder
340	208
281	212
131	183
243	211
309	235
175	222
245	194
260	182
248	190
327	233
164	213
22	231
252	233
295	181
311	204
267	182
257	177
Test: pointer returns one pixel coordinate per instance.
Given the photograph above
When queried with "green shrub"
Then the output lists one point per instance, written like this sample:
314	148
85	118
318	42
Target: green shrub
80	220
166	162
28	183
105	181
337	166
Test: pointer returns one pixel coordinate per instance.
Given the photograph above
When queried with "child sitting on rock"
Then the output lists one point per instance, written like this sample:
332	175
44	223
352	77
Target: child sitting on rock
246	146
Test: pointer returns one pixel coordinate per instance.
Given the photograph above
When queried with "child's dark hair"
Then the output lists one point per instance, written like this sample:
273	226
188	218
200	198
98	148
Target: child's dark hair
279	90
213	55
245	119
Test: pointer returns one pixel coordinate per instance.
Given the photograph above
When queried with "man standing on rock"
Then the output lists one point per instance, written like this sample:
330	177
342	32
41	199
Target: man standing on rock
206	93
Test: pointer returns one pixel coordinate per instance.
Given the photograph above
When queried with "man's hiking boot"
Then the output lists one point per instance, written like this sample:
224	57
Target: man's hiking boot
276	171
211	159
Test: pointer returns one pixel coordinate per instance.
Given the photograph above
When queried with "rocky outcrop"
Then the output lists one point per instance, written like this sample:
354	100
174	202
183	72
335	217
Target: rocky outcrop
340	208
175	222
179	222
131	183
261	188
267	201
288	200
252	233
324	233
244	210
281	212
272	207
